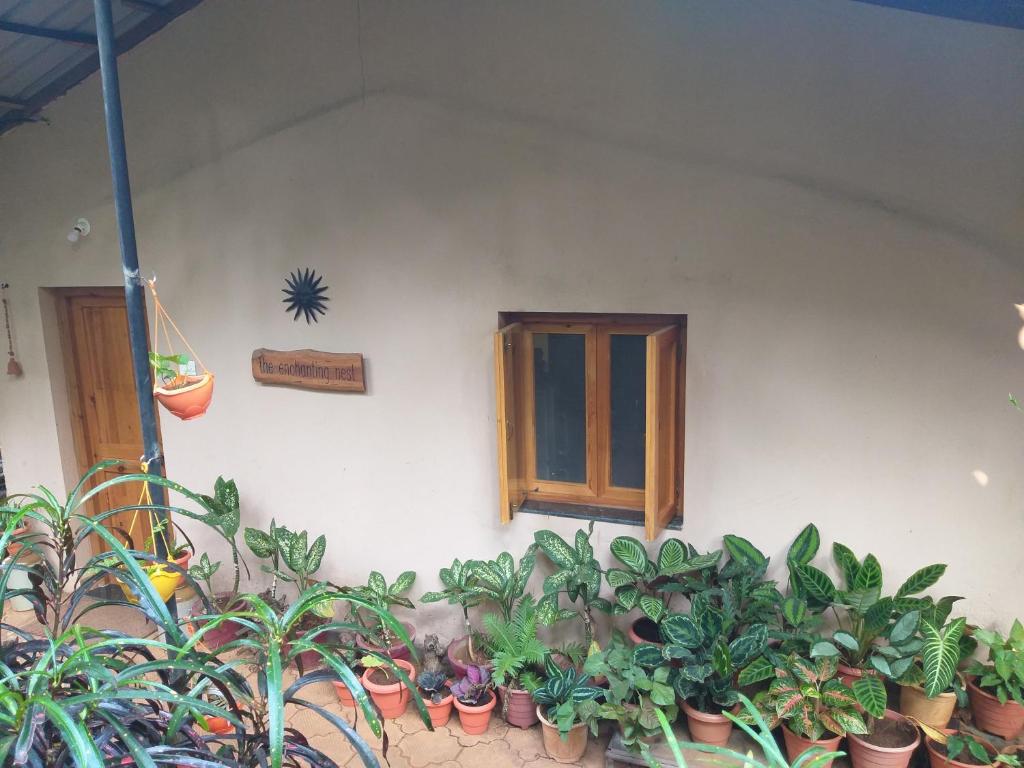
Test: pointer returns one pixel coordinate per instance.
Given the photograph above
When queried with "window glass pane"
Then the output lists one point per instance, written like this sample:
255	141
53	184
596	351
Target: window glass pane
560	401
629	409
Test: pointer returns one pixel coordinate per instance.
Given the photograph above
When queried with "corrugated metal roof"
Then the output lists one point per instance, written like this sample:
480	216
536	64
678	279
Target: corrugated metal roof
48	46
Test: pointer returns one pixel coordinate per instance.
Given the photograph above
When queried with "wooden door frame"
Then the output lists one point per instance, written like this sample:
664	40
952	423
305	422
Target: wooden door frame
74	393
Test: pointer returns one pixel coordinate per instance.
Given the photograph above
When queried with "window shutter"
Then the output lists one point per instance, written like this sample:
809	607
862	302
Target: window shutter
661	444
508	350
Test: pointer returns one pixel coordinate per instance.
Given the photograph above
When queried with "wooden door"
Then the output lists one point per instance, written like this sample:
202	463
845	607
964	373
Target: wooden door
104	411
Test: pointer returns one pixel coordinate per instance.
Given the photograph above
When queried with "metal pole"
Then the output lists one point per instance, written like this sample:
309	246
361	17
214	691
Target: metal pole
135	297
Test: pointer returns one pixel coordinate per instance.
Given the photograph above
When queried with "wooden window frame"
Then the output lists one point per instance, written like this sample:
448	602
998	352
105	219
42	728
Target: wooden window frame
514	362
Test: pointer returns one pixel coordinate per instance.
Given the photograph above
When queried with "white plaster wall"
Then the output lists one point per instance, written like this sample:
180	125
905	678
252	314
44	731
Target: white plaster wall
830	190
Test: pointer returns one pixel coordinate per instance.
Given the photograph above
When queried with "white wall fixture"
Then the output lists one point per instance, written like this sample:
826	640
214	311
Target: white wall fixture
81	229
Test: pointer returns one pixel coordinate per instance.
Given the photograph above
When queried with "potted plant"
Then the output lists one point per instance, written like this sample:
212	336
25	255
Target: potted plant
377	592
815	708
10	516
997	690
866	618
474	699
437	695
566	705
578	576
947	748
388	683
186	396
516	652
502	582
712	649
460	588
640	682
651	585
933	687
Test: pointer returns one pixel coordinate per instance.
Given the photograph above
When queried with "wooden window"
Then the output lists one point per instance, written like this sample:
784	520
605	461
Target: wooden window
590	416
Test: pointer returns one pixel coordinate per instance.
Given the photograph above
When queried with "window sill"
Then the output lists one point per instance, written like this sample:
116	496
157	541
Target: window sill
587	512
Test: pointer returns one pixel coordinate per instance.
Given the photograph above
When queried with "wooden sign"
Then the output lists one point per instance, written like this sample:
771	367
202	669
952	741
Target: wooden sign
309	369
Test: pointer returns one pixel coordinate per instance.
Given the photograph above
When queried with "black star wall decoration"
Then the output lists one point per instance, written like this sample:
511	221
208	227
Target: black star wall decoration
305	295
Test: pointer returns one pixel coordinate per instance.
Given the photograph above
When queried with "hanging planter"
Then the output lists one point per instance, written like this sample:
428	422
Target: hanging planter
178	387
163	580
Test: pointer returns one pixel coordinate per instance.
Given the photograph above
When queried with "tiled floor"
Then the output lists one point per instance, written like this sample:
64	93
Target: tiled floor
411	745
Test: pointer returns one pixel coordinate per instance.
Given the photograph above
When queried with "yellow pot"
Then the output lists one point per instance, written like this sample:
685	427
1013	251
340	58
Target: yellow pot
935	712
163	581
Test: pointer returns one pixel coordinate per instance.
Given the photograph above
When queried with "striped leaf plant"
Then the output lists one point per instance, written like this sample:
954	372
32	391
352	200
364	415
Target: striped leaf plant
808	697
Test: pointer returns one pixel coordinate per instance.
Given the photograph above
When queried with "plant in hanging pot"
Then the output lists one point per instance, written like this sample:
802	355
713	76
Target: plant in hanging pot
997	690
516	653
437	696
651	585
711	648
378	636
566	706
815	708
474	699
461	588
187	396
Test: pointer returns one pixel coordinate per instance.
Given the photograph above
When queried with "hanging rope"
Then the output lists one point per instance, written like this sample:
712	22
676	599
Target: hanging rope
163	321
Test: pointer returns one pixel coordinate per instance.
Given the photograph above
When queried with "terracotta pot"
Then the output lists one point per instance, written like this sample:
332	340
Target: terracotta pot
521	712
866	755
222	634
392	697
188	402
563	750
397	651
441	712
707	728
1005	720
458	666
848	674
14	547
344	694
935	712
641	630
219	725
797	745
939	759
474	720
183	561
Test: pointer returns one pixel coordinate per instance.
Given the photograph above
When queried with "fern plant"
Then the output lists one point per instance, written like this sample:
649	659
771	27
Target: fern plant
515	648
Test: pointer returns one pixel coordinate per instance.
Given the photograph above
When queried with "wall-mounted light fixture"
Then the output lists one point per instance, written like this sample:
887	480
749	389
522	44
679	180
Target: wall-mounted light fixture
81	229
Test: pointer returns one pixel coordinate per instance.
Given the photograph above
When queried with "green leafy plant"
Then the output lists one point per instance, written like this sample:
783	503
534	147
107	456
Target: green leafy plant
383	596
936	668
578	576
1003	674
809	698
516	651
640	684
711	648
566	696
799	616
865	618
961	743
650	585
167	368
501	581
461	588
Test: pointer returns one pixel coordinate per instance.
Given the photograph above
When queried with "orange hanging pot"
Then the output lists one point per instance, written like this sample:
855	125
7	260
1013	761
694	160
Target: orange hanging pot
189	401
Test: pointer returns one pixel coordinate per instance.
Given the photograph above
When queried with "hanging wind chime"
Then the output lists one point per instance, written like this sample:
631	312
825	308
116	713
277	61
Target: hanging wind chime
13	366
177	385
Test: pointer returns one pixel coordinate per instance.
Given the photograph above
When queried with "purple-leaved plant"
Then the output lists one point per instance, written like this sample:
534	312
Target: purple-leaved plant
474	687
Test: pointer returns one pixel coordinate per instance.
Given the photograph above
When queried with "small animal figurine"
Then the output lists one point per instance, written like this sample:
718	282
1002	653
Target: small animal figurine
433	654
